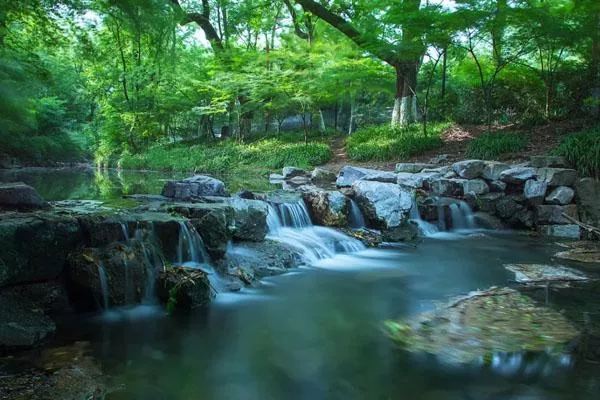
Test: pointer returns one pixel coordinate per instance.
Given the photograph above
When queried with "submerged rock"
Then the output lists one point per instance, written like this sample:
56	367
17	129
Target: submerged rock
196	186
541	274
584	252
20	196
183	289
482	323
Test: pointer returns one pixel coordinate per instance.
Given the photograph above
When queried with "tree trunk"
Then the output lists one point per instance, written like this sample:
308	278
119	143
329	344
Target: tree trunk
352	111
322	127
405	103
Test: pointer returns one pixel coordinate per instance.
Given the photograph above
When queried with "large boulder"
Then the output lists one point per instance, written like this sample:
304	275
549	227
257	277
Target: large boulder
384	205
588	199
413	168
487	202
557	176
250	219
381	176
475	186
418	180
553	215
448	187
20	196
469	169
349	174
562	195
183	289
35	247
535	191
22	324
517	175
114	275
493	169
196	186
293	172
322	175
327	208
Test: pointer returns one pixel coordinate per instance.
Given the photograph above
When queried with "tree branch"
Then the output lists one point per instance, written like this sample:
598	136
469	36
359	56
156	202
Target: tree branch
203	21
297	29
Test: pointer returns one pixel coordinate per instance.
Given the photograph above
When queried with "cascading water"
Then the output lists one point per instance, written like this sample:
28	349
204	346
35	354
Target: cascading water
103	286
356	219
289	223
462	216
427	229
125	230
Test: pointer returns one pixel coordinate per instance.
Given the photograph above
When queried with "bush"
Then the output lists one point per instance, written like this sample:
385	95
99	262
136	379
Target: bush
39	149
492	145
383	143
582	150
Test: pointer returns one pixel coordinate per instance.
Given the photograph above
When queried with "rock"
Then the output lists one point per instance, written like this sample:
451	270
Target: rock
523	218
487	202
560	231
448	187
584	252
486	221
50	297
196	186
450	175
19	196
322	175
588	193
552	215
349	174
249	262
493	169
384	205
8	162
406	232
381	176
440	159
327	208
246	194
412	167
250	219
540	274
470	328
418	180
506	208
368	237
547	161
497	186
35	247
275	178
293	172
557	176
469	169
123	267
22	324
535	191
439	170
562	195
517	175
183	289
475	186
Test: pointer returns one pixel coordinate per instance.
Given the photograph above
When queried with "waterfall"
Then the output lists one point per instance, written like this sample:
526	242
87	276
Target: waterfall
289	223
125	231
355	217
103	286
190	246
462	216
427	229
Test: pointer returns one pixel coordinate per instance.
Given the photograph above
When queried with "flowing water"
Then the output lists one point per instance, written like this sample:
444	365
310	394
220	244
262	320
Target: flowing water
356	219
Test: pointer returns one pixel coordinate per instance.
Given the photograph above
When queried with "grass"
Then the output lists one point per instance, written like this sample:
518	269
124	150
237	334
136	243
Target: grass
39	149
384	143
227	157
582	150
492	145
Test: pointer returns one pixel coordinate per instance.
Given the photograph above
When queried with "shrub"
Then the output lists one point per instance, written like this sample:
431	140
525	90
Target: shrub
582	150
383	143
492	145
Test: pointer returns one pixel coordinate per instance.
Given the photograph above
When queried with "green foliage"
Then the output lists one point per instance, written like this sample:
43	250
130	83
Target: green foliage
490	146
582	150
382	143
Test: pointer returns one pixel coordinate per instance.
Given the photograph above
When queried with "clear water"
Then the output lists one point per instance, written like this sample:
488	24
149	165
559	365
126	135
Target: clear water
316	334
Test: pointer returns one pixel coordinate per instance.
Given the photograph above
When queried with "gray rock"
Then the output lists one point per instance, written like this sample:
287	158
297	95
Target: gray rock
523	218
497	186
412	167
349	174
548	161
450	175
418	180
292	172
487	202
535	191
406	232
469	169
440	159
506	207
51	297
562	195
250	219
560	231
20	196
327	208
486	221
552	215
384	205
475	186
588	193
322	175
448	187
493	169
439	170
183	289
299	180
381	176
22	324
557	176
517	175
196	186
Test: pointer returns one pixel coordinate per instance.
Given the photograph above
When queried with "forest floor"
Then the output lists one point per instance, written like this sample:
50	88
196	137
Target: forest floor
543	139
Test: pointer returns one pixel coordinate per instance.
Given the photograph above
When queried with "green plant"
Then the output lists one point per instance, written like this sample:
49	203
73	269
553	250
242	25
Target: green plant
582	150
383	143
492	145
